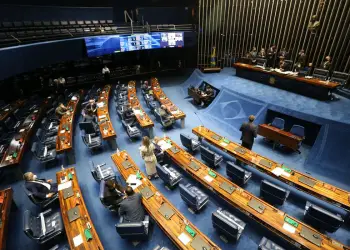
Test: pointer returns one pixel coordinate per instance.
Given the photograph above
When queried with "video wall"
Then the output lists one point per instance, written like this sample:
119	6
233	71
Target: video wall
101	45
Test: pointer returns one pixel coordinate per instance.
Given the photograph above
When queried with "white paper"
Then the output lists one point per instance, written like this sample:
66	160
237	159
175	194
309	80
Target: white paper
208	178
133	181
62	131
65	185
100	104
224	144
164	145
289	228
78	240
22	130
102	116
277	171
74	98
53	223
137	111
184	238
285	174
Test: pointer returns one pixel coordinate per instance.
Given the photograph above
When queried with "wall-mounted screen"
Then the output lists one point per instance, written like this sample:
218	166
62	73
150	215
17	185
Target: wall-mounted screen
101	45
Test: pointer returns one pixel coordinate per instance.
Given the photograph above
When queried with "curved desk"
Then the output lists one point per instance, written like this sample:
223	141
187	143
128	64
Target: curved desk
76	229
64	141
164	100
104	121
5	206
141	116
303	182
289	228
8	109
175	226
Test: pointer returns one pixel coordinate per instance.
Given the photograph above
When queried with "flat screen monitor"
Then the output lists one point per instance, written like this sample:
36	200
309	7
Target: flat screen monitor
101	45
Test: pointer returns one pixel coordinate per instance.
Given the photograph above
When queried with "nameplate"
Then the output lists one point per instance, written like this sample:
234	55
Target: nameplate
240	150
265	163
227	187
68	192
199	244
194	166
311	236
216	137
126	164
146	192
166	211
73	214
307	181
256	205
174	150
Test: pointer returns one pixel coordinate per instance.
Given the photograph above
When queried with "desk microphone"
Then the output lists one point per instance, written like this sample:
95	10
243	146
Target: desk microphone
199	119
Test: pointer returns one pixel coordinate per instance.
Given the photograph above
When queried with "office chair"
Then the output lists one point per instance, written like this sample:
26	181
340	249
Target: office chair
131	129
44	227
42	203
227	224
189	143
340	77
113	207
169	175
193	196
210	157
273	193
101	172
320	73
50	126
45	139
165	121
278	123
237	174
90	137
11	124
44	153
21	114
266	244
134	231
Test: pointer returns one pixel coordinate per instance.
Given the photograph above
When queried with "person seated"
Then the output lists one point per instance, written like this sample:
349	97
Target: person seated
209	96
91	117
91	106
128	113
282	64
283	54
262	53
113	194
131	207
327	63
40	188
61	110
164	113
253	54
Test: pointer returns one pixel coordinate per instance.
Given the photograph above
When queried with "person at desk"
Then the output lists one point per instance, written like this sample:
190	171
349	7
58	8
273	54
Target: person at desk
91	106
209	95
106	73
283	54
164	113
253	54
301	59
282	64
61	110
249	132
271	53
89	116
131	207
327	63
128	112
262	53
113	194
40	188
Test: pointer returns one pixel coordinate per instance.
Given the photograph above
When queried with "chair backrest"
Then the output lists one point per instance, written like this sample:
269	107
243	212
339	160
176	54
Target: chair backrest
186	141
340	77
187	195
273	189
102	192
323	215
40	135
132	230
163	174
232	169
278	123
260	61
320	73
31	225
44	121
9	122
298	130
207	154
221	223
88	127
35	147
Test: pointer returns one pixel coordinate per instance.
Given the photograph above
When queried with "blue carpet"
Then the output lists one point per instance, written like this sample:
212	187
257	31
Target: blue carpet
238	99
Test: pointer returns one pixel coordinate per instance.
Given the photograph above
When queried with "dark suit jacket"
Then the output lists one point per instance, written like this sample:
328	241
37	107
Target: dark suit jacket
131	208
249	132
112	197
39	190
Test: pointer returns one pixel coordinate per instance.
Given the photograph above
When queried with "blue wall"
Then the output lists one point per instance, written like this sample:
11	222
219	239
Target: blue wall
32	13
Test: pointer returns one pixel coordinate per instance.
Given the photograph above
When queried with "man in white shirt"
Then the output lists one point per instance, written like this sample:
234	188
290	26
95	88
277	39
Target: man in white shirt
106	73
40	188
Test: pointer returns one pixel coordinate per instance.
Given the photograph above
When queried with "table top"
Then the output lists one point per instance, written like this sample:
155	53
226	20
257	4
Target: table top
272	218
142	118
18	144
164	100
281	132
173	227
320	189
104	121
64	141
78	226
6	195
313	81
8	110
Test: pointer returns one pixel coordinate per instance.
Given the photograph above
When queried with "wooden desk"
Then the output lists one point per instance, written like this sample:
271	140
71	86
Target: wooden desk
64	141
104	121
5	214
18	145
173	227
197	96
78	226
271	218
8	110
164	100
280	136
317	188
313	87
141	116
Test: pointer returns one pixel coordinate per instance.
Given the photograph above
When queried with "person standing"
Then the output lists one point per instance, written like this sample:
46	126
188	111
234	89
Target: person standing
106	73
327	63
249	132
147	154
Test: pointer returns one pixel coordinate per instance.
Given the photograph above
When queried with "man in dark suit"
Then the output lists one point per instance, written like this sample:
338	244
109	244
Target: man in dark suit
40	188
249	132
131	207
91	106
91	117
113	194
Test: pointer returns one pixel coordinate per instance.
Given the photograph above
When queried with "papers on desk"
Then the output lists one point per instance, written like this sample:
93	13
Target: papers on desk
208	178
289	228
74	98
78	240
137	112
22	130
175	112
133	181
100	104
285	174
277	171
62	131
224	144
164	145
309	77
102	116
184	238
64	185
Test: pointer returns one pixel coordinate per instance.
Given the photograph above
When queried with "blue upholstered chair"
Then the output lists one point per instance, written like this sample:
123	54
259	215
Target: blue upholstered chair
210	157
169	175
278	123
237	174
227	224
298	131
273	193
189	142
266	244
193	196
134	231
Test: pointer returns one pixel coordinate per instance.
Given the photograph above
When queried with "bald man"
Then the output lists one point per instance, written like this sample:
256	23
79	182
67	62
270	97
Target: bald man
40	188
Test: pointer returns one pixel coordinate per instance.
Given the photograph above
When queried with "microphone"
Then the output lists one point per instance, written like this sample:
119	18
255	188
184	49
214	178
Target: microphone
199	119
